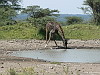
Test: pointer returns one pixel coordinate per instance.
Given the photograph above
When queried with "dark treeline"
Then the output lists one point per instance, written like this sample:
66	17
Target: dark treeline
38	15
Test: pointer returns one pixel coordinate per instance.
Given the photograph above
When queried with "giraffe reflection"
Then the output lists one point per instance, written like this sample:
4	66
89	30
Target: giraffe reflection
53	28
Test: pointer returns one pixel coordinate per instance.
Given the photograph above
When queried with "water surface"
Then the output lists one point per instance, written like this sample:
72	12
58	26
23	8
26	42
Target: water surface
61	55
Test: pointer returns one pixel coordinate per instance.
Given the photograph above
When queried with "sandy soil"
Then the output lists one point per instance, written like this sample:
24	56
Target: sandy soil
42	67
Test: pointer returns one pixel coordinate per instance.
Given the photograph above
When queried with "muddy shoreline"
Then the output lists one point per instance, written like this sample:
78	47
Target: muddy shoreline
40	44
7	62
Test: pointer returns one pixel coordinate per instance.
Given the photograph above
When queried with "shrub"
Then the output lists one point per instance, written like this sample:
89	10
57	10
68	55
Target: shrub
74	20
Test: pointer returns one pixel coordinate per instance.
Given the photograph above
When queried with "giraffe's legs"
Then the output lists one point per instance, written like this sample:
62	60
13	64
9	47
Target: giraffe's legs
49	38
55	43
46	35
54	39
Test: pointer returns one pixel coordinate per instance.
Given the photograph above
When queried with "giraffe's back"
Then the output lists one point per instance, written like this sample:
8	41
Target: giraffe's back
52	26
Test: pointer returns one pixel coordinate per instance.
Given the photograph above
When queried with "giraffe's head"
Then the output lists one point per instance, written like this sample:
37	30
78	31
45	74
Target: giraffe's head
65	43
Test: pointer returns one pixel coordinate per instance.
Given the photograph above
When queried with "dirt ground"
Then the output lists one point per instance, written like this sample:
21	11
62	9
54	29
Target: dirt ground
42	67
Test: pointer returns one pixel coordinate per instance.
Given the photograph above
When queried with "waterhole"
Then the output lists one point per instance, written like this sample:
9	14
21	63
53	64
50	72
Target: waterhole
61	55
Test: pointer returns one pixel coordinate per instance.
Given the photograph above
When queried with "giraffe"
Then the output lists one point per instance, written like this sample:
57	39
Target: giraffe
55	28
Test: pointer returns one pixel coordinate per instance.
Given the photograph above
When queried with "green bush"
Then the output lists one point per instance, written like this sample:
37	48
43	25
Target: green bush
74	20
24	71
12	72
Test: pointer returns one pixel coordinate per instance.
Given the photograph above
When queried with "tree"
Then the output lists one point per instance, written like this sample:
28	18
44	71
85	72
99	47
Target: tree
39	16
37	12
94	6
9	2
6	15
8	11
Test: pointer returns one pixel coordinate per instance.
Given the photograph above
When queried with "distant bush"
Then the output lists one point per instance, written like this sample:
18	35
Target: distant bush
73	20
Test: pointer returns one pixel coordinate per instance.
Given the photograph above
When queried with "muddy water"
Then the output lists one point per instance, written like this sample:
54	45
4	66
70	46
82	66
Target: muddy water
61	55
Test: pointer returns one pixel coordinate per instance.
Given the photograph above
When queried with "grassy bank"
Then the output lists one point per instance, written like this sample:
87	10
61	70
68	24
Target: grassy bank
19	31
82	31
26	31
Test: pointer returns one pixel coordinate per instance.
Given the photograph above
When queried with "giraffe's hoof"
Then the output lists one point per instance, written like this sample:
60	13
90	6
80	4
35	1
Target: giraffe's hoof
46	45
51	48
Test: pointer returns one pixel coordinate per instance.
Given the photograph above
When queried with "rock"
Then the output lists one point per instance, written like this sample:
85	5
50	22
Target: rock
51	67
2	67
